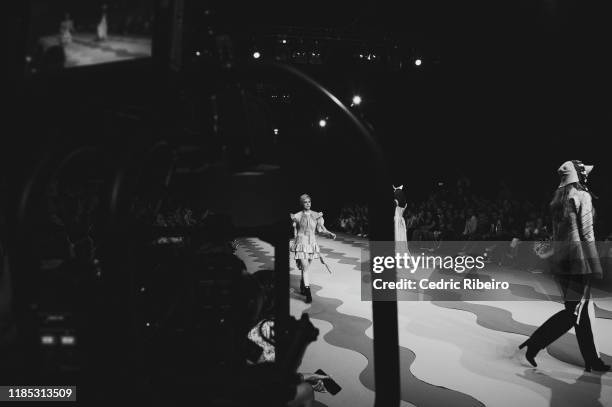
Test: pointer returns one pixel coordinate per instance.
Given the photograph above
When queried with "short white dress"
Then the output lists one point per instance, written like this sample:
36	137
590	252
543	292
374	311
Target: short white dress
305	245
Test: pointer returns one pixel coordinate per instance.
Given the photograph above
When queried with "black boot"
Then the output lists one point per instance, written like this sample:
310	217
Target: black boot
532	352
598	365
550	331
302	287
308	295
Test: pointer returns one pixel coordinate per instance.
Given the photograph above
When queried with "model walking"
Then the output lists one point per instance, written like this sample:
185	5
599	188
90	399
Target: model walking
305	247
575	262
102	28
401	237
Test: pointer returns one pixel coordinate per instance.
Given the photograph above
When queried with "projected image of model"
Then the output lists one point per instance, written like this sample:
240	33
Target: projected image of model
71	33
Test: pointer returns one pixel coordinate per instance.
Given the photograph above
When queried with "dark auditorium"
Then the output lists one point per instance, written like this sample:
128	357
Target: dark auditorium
306	204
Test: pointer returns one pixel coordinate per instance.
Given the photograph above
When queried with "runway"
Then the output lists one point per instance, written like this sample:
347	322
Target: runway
459	353
85	50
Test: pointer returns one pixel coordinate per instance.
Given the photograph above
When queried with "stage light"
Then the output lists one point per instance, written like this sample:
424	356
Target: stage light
276	131
356	100
142	289
67	340
284	41
418	62
47	340
256	55
198	53
360	55
322	123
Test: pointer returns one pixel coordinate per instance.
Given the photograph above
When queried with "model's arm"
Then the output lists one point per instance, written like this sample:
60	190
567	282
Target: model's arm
294	224
584	209
322	229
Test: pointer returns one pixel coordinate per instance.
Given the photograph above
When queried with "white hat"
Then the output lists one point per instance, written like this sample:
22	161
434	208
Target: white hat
571	171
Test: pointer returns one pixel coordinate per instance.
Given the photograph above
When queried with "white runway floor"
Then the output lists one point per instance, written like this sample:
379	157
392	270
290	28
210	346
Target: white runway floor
452	353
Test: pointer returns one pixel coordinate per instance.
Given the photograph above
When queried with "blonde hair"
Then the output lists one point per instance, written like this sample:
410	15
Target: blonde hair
304	197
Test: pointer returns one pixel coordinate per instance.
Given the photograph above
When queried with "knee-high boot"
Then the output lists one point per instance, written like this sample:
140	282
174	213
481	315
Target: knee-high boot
548	332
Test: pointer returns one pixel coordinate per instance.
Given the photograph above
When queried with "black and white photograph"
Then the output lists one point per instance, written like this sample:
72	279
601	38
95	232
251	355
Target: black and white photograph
306	204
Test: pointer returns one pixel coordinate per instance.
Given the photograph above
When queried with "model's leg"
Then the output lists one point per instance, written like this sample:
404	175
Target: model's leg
300	264
305	267
554	326
584	335
305	271
584	330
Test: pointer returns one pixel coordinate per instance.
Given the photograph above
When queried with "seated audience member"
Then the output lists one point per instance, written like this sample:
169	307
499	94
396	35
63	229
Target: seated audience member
411	221
471	226
529	231
483	226
458	223
540	231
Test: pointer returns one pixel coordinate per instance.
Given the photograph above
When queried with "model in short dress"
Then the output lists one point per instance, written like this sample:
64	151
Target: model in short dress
305	248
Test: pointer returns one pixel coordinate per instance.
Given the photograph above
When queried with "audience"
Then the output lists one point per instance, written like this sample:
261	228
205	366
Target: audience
353	219
460	213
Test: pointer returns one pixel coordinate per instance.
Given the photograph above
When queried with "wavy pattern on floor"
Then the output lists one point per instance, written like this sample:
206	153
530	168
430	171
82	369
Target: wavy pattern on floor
564	349
349	333
258	258
463	346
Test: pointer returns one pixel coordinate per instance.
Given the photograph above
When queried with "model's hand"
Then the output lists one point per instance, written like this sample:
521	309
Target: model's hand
333	235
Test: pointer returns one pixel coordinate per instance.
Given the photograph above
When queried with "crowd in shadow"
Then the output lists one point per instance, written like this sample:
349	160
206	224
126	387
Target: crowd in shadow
507	229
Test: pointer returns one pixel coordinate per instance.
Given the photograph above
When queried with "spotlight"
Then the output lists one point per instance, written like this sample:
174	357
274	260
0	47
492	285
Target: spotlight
322	123
256	55
276	131
67	340
284	41
197	53
47	340
356	100
418	62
